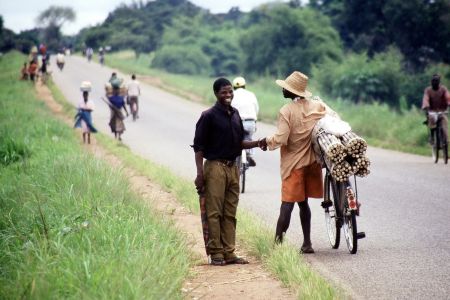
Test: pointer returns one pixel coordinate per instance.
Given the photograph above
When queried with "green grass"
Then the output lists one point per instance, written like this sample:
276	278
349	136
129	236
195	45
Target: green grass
69	225
378	124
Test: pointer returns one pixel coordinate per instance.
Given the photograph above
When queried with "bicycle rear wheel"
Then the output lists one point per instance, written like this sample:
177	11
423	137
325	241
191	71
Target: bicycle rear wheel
350	231
444	144
445	153
243	171
436	146
331	219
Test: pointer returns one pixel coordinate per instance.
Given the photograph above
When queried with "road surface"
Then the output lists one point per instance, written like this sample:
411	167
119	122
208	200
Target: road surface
405	200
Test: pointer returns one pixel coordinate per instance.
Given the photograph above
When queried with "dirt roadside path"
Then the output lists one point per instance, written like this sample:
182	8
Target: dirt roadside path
227	282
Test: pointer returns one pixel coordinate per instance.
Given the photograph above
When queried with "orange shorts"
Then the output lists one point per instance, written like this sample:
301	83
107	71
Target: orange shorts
303	183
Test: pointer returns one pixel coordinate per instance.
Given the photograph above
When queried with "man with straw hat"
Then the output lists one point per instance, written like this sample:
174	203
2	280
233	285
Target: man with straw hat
301	174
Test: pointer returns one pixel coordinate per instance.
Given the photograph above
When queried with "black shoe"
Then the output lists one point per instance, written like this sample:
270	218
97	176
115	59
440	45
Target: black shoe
326	203
251	161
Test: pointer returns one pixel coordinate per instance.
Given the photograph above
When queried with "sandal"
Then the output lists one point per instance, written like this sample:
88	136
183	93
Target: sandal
306	250
217	262
237	261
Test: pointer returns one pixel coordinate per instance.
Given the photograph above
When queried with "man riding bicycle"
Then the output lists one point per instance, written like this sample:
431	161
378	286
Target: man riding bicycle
247	105
134	91
436	98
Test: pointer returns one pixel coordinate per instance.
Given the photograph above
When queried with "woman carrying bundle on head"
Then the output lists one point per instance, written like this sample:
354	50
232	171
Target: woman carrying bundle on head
83	118
116	102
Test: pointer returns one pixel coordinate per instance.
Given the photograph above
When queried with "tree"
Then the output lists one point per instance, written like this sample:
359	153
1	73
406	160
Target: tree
284	39
56	16
51	20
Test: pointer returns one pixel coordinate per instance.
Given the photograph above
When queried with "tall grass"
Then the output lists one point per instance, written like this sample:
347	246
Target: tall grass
380	125
69	225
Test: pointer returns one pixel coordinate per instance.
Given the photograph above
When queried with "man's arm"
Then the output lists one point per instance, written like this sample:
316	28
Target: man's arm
425	101
199	180
281	136
249	144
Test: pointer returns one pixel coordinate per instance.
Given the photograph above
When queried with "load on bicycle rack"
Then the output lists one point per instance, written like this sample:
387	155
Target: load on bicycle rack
343	154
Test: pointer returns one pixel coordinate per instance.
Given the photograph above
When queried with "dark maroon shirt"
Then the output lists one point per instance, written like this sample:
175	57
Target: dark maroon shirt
436	100
219	133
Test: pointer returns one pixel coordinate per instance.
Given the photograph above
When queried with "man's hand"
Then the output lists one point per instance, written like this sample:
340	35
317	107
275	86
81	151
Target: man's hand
262	143
199	183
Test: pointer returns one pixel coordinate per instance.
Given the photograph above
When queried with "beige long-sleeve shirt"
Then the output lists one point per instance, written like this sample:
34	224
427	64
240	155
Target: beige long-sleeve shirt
295	123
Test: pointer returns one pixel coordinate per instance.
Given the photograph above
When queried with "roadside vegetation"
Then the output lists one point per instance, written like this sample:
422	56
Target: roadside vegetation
383	126
70	227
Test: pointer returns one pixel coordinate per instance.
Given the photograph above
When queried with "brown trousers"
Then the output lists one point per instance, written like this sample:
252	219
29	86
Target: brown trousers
222	197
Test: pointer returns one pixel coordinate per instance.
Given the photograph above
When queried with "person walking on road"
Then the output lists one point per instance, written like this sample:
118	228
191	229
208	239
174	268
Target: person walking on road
219	138
247	105
134	91
83	118
116	103
436	98
301	174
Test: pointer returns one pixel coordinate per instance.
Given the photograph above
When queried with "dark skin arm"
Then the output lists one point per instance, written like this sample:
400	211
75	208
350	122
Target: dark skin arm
125	108
199	180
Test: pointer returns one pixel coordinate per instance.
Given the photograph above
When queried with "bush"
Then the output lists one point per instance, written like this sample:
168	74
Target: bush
182	60
363	80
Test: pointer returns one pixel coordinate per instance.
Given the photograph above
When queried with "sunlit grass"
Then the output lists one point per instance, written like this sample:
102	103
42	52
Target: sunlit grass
70	227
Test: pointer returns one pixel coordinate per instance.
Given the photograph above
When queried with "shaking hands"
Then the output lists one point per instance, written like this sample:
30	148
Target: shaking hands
262	144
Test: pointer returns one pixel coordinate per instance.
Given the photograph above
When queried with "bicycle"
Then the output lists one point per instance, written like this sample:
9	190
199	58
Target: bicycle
342	212
243	167
133	103
438	138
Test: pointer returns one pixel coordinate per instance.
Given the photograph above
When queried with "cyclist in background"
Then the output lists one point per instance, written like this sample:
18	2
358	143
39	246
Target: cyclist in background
247	105
436	98
134	91
101	55
89	53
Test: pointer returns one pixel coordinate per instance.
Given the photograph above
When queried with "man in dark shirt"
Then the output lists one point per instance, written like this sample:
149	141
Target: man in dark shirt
219	138
436	98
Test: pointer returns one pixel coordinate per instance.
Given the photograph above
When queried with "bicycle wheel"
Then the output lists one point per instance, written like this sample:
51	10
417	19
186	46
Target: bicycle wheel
331	220
436	146
243	178
445	153
350	231
444	144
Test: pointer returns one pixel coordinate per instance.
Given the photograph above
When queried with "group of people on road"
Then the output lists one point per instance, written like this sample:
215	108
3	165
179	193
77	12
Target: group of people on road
115	101
226	128
31	70
89	53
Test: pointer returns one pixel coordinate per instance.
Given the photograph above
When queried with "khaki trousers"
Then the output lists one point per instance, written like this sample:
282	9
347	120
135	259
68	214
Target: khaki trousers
222	197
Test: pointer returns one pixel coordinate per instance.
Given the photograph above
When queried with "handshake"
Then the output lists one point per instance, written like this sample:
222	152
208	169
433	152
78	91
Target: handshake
262	144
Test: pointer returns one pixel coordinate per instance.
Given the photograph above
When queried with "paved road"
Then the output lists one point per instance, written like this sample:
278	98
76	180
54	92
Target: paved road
406	198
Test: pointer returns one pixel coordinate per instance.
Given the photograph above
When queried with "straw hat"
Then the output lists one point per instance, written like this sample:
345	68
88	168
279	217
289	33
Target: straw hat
296	83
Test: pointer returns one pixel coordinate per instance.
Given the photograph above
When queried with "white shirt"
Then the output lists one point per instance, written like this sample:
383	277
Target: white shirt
133	88
86	105
246	103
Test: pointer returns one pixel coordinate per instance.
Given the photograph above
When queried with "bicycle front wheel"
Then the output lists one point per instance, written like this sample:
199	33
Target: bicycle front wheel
350	231
445	153
436	146
331	219
243	179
